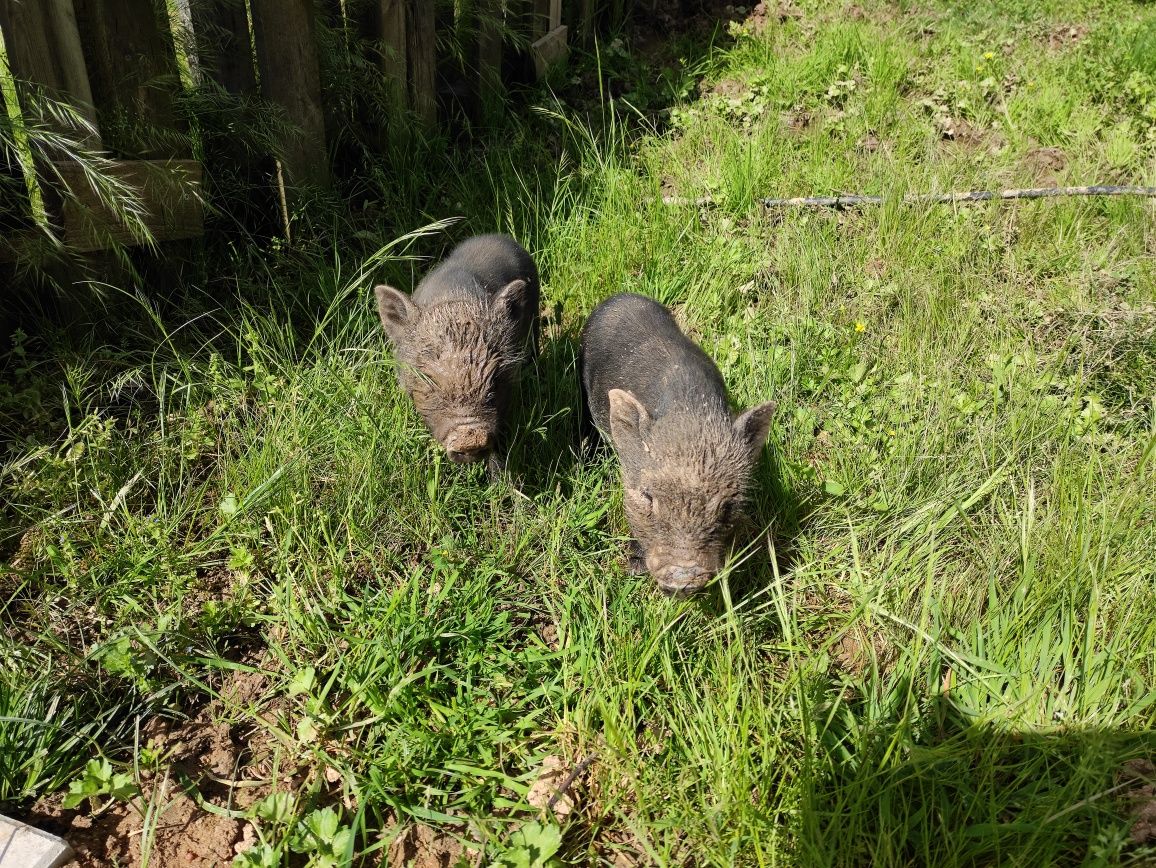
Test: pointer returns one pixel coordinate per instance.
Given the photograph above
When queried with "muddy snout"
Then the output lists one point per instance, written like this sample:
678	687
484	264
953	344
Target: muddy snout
468	443
682	580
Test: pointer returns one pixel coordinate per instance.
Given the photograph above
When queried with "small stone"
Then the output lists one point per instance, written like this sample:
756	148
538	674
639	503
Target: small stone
550	778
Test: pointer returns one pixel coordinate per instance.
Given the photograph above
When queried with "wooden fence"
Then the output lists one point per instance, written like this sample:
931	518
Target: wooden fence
124	63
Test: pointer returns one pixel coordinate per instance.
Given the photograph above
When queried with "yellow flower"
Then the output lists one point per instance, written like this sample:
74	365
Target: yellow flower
1031	84
988	55
860	326
890	432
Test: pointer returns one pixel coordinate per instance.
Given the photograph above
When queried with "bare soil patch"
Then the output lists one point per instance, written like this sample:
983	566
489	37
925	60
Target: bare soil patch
424	846
1064	35
1141	799
1046	163
208	761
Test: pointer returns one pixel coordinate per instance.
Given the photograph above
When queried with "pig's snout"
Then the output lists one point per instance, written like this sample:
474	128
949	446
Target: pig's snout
682	580
469	443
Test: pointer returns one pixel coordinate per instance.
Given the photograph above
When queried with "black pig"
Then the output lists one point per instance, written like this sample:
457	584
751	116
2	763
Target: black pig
461	338
687	461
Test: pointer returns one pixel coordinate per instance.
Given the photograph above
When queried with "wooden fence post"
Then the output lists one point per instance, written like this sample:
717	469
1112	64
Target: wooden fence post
224	44
391	14
48	52
422	54
133	71
284	32
491	93
549	46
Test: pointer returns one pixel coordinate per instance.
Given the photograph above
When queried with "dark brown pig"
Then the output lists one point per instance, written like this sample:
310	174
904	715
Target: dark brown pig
460	340
687	461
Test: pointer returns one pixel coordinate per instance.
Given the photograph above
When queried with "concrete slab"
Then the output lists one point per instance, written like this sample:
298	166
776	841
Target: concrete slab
22	846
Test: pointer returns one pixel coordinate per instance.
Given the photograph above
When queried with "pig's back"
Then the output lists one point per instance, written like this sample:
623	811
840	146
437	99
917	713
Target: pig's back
479	266
632	342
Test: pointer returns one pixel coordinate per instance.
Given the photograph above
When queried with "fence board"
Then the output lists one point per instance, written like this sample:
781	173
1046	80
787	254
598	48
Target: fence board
422	53
284	32
132	69
224	44
586	19
540	20
169	189
43	44
390	34
491	91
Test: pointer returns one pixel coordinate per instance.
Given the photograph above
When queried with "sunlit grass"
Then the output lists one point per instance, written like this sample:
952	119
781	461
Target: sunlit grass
942	651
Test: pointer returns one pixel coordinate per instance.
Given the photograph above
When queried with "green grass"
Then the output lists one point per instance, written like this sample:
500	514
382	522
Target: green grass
942	653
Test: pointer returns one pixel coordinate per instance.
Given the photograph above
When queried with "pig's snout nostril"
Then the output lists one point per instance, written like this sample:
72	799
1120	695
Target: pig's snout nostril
682	581
466	445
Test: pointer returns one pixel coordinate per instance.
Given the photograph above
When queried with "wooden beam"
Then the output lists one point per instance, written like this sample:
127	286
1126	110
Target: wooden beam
43	44
550	50
422	54
133	72
169	189
284	32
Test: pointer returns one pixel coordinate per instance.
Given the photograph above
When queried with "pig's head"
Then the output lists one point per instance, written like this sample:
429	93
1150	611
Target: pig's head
686	478
457	360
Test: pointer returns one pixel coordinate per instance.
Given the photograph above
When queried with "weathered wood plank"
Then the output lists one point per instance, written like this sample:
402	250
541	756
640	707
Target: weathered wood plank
132	69
391	35
284	32
491	90
224	44
550	50
540	19
422	54
169	189
43	45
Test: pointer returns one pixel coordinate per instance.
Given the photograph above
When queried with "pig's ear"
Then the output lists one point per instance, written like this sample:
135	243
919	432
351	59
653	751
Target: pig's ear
628	418
512	298
754	425
397	312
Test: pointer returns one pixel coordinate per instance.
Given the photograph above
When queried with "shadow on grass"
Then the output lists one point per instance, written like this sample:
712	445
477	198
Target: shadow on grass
929	784
545	448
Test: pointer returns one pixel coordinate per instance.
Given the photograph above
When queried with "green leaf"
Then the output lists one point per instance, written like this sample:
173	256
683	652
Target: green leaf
258	856
229	506
302	681
306	730
834	487
275	807
122	787
76	795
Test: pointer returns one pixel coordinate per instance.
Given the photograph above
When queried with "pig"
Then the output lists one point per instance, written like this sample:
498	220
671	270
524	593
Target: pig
460	340
687	460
